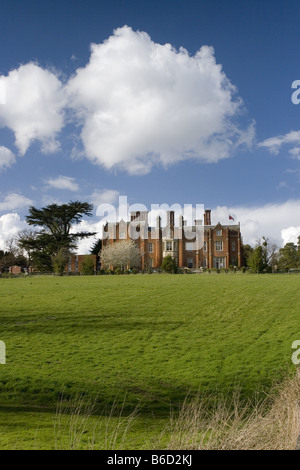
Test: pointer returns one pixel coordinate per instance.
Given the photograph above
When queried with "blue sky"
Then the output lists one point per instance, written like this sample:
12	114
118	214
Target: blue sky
177	102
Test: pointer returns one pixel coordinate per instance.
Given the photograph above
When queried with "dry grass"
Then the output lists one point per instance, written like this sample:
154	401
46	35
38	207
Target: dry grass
79	425
271	425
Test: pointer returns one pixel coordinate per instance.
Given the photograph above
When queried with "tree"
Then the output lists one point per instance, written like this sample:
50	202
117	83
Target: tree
88	266
123	255
13	256
169	265
256	261
289	256
270	255
60	260
97	247
247	250
6	259
21	240
56	222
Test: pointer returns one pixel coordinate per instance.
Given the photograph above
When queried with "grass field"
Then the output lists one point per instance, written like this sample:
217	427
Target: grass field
114	346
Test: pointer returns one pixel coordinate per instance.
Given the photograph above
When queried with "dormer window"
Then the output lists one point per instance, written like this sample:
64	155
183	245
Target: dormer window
219	232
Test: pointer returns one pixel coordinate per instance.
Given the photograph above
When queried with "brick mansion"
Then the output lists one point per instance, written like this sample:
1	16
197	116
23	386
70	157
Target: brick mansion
201	245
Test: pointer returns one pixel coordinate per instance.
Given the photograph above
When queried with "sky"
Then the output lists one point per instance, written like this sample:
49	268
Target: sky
164	102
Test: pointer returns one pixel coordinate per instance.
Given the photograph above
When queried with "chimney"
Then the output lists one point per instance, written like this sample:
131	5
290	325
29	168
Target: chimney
171	218
207	220
134	215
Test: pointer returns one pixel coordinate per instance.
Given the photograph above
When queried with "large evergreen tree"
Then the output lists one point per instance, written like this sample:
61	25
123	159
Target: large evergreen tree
56	222
97	247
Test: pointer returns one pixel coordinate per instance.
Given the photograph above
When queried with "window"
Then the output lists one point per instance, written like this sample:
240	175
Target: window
169	246
190	262
122	235
204	246
219	263
189	246
219	246
219	232
233	246
150	247
205	262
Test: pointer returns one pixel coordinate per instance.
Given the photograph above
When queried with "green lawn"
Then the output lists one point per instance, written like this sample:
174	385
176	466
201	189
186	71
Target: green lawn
141	341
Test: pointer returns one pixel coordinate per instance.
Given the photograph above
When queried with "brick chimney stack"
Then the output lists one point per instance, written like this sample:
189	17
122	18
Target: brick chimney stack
207	220
171	218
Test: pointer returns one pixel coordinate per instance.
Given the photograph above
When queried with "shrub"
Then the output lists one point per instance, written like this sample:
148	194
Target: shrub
169	265
87	266
60	260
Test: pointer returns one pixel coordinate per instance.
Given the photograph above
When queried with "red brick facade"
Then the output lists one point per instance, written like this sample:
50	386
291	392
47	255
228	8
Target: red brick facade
75	263
220	246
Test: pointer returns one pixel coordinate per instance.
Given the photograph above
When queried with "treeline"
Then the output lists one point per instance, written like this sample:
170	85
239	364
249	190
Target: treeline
48	249
266	257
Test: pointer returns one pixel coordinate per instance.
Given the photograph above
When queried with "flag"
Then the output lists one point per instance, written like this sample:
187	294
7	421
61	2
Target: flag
231	218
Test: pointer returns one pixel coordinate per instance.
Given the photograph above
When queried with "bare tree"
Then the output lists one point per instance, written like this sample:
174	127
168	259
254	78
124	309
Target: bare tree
21	240
123	255
270	253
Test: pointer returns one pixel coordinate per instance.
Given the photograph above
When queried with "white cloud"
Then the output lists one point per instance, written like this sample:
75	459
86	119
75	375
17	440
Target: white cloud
276	221
274	144
10	225
34	107
290	235
138	103
14	201
7	158
295	152
141	103
63	182
94	226
106	196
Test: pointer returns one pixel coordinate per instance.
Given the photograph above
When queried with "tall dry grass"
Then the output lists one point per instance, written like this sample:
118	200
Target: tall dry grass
273	424
78	424
231	424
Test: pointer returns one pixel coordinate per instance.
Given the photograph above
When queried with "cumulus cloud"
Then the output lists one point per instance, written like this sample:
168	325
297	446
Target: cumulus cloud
106	196
274	144
33	108
290	235
276	221
14	201
7	158
141	103
94	226
10	225
63	182
137	103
